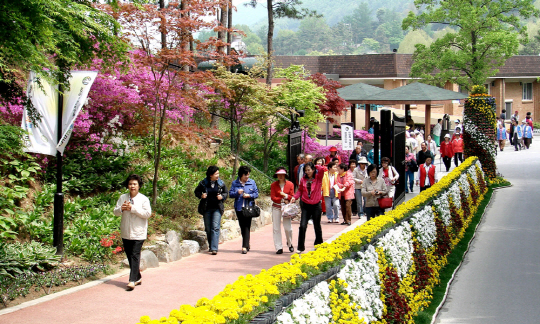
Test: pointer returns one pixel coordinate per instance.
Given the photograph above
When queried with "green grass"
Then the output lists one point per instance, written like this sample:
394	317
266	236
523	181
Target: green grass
454	259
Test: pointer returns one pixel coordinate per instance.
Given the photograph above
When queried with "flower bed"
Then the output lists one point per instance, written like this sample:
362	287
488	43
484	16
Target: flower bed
389	282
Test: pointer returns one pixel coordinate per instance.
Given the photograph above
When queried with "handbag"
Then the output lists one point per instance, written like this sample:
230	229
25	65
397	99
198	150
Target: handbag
290	210
251	211
385	202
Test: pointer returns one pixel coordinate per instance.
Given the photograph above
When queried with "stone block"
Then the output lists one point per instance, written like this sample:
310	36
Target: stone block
229	230
148	260
200	237
174	252
172	238
189	247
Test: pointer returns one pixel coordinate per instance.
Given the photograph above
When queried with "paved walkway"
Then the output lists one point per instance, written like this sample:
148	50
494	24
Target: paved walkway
499	281
169	286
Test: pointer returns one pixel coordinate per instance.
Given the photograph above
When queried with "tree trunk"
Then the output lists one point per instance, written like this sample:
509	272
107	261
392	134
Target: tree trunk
215	122
269	42
229	26
157	158
222	35
163	23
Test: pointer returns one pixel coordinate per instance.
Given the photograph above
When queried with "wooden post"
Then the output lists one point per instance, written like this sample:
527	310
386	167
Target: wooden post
427	121
367	116
353	115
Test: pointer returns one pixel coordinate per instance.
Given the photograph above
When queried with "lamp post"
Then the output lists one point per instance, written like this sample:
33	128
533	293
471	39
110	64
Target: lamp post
294	142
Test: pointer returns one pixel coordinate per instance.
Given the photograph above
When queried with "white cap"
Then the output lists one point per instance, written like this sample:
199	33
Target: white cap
447	136
416	131
524	121
457	120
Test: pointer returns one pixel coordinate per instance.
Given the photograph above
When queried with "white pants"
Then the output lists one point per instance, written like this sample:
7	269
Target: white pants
276	225
391	191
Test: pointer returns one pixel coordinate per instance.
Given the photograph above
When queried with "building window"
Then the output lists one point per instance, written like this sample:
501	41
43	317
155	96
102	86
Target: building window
527	91
508	106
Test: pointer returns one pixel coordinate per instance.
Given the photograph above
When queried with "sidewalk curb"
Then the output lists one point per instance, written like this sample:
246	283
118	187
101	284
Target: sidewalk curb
63	293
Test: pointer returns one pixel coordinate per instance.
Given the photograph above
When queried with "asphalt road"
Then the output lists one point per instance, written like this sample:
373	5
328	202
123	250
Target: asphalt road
499	281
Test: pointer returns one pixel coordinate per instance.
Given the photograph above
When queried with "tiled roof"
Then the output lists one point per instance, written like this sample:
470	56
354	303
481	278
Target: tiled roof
393	65
358	91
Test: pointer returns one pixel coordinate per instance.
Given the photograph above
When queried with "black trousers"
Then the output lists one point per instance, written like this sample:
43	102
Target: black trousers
133	253
516	142
458	156
447	162
245	228
372	212
314	212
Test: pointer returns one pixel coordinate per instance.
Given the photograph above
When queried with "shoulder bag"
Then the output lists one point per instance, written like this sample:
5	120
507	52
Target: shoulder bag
251	211
385	202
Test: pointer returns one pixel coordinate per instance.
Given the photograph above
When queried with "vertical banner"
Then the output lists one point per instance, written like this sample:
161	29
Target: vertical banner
347	136
43	137
74	99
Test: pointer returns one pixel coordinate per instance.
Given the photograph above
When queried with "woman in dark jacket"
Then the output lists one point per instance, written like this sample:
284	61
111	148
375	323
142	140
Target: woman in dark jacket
244	191
212	192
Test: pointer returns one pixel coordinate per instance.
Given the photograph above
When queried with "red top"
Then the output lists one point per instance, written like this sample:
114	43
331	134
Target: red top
329	158
530	122
346	181
316	187
275	189
446	149
457	145
431	175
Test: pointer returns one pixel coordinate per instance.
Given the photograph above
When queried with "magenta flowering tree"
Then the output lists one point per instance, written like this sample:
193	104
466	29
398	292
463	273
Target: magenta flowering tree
313	147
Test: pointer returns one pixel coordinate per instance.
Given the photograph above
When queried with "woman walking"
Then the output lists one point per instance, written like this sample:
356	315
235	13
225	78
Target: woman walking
359	175
432	146
501	136
390	176
244	191
135	210
330	195
281	192
447	152
410	163
527	133
346	192
212	192
457	147
518	134
373	188
309	191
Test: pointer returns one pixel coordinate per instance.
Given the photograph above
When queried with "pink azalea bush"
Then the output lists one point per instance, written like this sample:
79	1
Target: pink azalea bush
313	147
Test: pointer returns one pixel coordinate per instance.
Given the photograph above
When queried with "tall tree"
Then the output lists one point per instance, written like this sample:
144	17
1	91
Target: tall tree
170	84
247	102
279	9
486	33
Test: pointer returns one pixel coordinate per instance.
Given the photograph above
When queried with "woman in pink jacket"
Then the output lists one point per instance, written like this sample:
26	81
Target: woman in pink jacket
457	146
310	193
346	192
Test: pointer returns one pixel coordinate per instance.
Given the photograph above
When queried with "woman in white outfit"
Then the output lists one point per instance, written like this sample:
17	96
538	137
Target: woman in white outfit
432	146
135	210
281	192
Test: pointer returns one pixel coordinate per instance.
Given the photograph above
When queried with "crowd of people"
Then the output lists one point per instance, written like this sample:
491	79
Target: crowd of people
519	135
323	186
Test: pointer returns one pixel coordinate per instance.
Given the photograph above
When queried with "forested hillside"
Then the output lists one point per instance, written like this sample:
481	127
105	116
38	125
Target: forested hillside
346	27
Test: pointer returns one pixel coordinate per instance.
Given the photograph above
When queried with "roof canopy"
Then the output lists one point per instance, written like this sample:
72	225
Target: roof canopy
358	91
414	93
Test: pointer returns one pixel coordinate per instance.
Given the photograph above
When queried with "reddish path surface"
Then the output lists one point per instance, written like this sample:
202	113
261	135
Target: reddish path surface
166	287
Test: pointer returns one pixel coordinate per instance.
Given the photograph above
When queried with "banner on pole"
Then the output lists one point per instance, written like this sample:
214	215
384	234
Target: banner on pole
43	137
347	136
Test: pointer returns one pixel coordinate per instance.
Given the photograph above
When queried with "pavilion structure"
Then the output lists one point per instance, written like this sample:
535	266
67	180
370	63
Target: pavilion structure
413	93
355	94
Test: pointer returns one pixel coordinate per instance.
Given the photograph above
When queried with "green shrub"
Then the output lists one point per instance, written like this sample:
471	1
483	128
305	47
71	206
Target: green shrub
19	258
